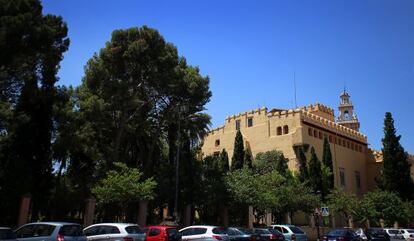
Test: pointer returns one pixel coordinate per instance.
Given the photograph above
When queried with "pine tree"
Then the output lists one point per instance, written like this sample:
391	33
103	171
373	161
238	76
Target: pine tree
315	172
238	152
224	161
396	168
248	158
327	161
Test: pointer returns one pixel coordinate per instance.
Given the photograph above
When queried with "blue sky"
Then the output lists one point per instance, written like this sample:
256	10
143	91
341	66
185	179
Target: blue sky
250	50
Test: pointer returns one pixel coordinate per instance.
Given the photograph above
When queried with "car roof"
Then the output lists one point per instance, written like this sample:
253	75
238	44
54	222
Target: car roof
113	224
160	226
52	223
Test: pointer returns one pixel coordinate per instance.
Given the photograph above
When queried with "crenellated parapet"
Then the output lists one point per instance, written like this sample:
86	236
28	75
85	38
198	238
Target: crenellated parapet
319	107
216	130
283	113
325	123
258	111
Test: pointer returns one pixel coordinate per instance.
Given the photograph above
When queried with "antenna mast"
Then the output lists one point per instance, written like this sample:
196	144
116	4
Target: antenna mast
294	86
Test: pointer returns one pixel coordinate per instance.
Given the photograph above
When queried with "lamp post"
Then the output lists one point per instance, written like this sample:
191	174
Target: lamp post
182	108
316	217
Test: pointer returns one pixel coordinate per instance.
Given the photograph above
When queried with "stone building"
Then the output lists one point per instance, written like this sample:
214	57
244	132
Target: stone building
355	165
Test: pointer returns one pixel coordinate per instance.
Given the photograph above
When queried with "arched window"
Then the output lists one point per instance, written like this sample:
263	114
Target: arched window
346	115
310	131
285	129
279	130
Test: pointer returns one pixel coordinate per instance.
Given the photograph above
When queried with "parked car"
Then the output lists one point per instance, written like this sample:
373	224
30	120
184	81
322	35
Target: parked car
394	234
341	234
114	232
50	231
408	234
204	233
291	232
241	234
162	233
7	234
360	232
269	234
376	234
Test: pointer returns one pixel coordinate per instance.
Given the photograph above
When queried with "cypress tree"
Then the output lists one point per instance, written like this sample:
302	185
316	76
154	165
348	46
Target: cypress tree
395	175
327	161
303	166
281	165
238	152
315	172
224	161
248	158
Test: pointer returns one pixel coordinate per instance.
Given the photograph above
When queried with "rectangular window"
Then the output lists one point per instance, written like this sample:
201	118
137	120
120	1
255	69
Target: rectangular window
358	180
216	154
237	125
217	142
330	139
310	131
342	177
250	122
279	130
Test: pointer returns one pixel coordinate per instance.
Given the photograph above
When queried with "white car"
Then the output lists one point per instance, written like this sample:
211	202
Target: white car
408	234
290	232
114	232
394	234
204	233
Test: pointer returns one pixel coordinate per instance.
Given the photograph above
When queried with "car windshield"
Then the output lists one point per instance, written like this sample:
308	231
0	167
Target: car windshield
274	231
71	230
337	232
393	231
133	230
245	231
219	231
6	234
410	230
263	231
376	231
296	230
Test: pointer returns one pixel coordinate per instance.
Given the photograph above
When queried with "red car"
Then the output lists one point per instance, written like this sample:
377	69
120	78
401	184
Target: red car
162	233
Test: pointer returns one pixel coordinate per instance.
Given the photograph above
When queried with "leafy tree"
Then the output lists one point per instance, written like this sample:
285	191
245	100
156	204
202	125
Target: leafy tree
224	161
248	162
31	47
395	175
123	186
384	205
341	202
327	162
266	162
238	152
315	172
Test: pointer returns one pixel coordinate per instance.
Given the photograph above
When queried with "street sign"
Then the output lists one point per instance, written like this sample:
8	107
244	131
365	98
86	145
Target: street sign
325	211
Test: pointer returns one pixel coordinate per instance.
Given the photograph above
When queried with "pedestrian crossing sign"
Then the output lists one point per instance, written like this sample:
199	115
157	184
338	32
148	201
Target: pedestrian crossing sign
325	211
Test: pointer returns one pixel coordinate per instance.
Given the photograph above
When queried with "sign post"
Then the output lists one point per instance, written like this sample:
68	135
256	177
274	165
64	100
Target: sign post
325	211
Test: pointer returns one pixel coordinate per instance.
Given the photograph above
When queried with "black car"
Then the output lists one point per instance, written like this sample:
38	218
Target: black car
342	234
241	234
377	234
269	234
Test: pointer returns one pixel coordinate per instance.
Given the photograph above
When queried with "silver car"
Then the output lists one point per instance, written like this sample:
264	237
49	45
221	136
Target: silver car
50	231
291	232
204	233
7	234
114	232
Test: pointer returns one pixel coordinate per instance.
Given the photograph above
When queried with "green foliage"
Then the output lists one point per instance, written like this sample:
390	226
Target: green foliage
341	202
266	162
303	165
31	47
395	175
124	185
315	173
248	162
384	205
224	161
237	161
327	162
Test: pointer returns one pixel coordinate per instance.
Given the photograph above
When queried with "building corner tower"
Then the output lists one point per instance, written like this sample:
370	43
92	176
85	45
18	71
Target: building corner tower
347	117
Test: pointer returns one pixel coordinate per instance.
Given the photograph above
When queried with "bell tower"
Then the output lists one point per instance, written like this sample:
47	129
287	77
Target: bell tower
347	117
